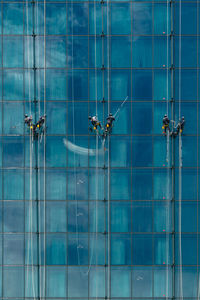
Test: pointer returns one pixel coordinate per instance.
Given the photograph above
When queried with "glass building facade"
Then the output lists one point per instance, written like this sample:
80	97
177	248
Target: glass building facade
87	217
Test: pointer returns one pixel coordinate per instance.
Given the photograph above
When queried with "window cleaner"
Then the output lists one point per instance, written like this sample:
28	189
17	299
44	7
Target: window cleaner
35	128
28	120
41	121
95	123
108	128
166	123
180	126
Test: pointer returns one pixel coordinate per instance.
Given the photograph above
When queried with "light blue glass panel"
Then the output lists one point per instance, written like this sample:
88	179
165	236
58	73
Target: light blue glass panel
40	48
120	18
13	217
142	249
55	152
188	248
122	124
161	18
56	85
97	249
13	59
28	18
160	152
189	282
78	191
56	217
120	188
142	19
31	248
162	216
97	216
13	283
78	217
77	249
78	281
160	190
13	85
120	277
142	210
97	52
56	18
188	12
31	216
13	118
97	18
189	111
120	149
78	151
142	52
141	178
142	282
56	52
77	83
13	151
120	85
142	152
97	282
189	184
13	249
13	18
188	45
97	186
162	85
161	52
188	83
141	118
78	18
188	213
96	84
39	15
56	277
28	52
29	85
57	118
120	52
77	48
56	184
120	249
77	118
13	181
120	216
56	249
162	281
189	151
31	282
142	85
162	250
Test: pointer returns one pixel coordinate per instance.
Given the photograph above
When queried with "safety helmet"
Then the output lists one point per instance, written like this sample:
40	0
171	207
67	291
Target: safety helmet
110	114
25	115
183	117
165	115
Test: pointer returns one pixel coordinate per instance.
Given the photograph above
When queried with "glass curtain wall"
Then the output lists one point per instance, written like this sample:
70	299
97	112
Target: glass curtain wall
83	216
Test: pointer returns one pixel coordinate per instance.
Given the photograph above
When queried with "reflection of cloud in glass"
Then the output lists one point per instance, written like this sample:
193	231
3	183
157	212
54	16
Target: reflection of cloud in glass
81	150
142	19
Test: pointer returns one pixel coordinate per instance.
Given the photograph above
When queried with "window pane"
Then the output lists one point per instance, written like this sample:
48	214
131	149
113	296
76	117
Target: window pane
13	59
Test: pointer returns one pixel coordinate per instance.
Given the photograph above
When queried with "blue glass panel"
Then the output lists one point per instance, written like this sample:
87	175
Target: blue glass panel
141	178
56	85
97	216
97	52
188	12
78	282
78	191
77	217
13	283
188	83
56	184
120	216
189	282
120	249
77	48
13	249
188	248
13	59
120	18
188	212
13	122
97	282
160	190
97	18
97	186
142	282
160	151
31	282
122	123
13	18
189	111
1	281
13	151
142	18
120	276
78	18
31	250
56	217
77	82
56	18
28	18
142	79
142	115
142	52
142	152
162	250
161	52
189	151
142	250
97	249
161	18
56	52
189	184
13	184
56	277
28	52
162	216
96	84
162	85
120	85
39	49
77	249
31	216
142	210
13	85
56	120
162	282
78	151
39	15
188	45
120	184
120	52
120	148
77	118
56	249
13	216
55	152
